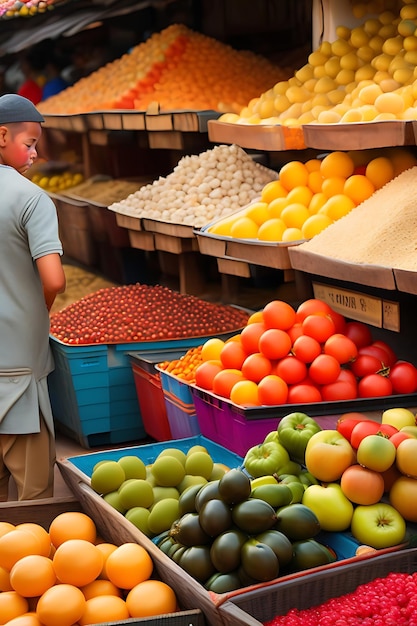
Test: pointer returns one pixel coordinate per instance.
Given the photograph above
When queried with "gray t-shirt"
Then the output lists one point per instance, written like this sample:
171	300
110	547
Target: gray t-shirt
28	231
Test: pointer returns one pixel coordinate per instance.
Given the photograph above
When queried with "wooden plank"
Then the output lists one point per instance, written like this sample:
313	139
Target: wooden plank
212	246
161	139
169	228
357	136
176	245
274	256
141	240
128	221
162	121
95	121
112	120
234	267
361	273
133	120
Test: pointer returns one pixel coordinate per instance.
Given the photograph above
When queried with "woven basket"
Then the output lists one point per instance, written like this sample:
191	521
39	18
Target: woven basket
257	607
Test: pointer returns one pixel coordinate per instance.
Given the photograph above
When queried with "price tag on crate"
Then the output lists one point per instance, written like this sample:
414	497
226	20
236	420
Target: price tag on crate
360	307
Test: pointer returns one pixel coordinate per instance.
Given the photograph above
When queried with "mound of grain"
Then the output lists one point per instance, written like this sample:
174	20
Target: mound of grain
380	231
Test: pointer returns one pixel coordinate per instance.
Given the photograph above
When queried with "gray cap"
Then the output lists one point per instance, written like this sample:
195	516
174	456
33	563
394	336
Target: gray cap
14	108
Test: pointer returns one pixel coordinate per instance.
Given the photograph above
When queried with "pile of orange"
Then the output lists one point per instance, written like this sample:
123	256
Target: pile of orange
308	197
67	576
176	68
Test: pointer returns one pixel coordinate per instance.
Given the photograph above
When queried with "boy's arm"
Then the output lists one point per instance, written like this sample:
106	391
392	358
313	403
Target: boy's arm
52	277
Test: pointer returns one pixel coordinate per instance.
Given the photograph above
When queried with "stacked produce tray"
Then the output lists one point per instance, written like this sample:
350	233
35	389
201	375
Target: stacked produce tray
93	393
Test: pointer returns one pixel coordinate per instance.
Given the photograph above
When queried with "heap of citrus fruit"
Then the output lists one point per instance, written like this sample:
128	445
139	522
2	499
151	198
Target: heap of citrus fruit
177	68
308	197
67	575
368	73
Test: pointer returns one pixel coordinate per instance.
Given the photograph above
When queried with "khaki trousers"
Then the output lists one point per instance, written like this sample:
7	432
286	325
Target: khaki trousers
30	460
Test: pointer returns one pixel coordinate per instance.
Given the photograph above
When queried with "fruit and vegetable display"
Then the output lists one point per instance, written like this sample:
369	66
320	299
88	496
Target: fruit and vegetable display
301	355
135	313
389	243
25	8
366	74
308	197
201	187
67	574
232	527
184	368
177	68
384	601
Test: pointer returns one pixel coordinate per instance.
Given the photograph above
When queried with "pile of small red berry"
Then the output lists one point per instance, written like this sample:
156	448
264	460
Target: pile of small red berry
135	313
389	601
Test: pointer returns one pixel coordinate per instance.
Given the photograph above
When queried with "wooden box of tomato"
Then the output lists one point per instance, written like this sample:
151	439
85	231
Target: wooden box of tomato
43	511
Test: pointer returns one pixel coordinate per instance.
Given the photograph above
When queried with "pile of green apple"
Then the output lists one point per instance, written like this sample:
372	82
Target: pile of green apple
148	494
360	476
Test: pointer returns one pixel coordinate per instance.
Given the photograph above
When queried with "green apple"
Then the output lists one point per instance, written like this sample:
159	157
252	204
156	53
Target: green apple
307	478
398	417
272	436
332	508
294	432
378	525
265	458
297	490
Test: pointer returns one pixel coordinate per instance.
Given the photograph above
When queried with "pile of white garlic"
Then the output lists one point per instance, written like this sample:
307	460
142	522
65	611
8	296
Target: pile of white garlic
201	188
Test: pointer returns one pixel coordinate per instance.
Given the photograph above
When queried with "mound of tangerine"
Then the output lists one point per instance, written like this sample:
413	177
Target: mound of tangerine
67	575
309	197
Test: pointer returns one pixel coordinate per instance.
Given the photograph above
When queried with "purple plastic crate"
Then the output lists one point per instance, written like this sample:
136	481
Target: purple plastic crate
228	425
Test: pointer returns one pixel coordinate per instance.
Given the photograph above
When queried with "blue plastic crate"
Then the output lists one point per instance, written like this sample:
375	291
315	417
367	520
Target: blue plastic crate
149	452
92	387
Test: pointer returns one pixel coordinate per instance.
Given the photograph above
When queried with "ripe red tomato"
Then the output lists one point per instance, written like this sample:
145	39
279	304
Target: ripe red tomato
278	314
274	343
224	380
303	393
339	390
256	366
362	429
206	372
311	306
341	347
365	364
272	390
347	376
403	376
398	437
324	369
374	386
378	352
347	422
291	369
306	348
319	326
359	333
250	336
339	321
392	357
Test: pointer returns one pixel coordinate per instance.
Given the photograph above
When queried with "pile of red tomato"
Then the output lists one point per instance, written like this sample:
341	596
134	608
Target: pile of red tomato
308	354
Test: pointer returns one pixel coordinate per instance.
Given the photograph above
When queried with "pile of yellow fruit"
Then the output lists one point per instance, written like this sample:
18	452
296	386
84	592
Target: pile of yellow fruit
308	197
367	74
56	182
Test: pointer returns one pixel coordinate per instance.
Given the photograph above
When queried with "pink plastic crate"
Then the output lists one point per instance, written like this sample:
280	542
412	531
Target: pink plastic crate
238	428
